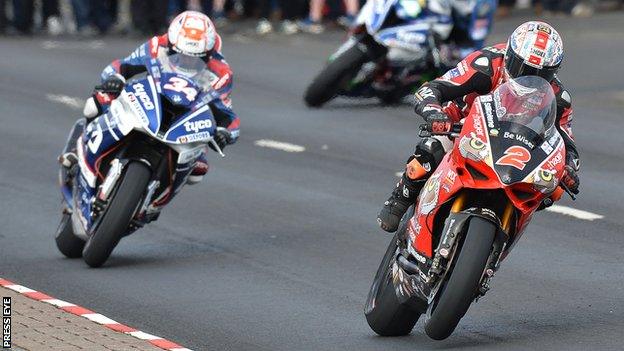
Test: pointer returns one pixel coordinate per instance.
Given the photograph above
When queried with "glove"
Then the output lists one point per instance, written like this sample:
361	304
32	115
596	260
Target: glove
113	84
571	180
439	123
222	137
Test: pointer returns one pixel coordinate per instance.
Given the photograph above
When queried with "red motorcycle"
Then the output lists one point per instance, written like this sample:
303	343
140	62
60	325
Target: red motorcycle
507	158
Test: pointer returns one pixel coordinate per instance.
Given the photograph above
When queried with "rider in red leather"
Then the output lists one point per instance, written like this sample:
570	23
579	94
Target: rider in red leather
534	48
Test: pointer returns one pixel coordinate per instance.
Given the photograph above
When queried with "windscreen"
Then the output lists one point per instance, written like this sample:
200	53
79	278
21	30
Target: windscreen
526	102
188	66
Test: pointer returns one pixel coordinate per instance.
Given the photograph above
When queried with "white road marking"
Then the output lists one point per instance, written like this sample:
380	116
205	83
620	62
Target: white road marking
569	211
19	288
98	318
73	102
58	303
55	44
144	336
279	145
241	39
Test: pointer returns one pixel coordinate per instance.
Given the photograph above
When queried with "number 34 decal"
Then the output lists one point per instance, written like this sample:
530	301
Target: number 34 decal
515	156
181	86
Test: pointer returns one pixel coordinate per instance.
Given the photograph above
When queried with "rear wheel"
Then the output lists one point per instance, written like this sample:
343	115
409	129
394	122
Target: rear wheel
335	76
68	244
384	313
117	217
462	282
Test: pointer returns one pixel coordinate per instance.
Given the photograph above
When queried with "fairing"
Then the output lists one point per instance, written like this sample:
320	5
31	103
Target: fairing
411	22
145	106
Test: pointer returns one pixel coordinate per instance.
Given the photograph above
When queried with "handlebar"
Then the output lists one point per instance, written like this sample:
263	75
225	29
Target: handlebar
101	89
425	131
567	190
216	147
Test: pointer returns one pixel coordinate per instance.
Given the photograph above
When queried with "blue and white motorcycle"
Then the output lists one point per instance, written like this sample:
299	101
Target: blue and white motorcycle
394	47
132	160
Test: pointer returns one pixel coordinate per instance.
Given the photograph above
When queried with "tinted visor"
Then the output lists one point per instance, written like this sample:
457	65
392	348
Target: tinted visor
516	67
187	65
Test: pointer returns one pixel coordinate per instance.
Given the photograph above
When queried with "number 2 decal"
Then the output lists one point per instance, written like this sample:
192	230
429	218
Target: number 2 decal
515	156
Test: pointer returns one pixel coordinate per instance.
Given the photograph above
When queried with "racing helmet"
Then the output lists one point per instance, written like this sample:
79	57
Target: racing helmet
192	33
534	49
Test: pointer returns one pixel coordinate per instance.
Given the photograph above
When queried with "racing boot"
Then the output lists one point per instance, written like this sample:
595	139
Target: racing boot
199	171
404	195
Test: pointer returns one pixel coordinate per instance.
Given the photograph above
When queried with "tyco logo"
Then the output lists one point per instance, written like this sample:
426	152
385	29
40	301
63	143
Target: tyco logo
197	125
139	91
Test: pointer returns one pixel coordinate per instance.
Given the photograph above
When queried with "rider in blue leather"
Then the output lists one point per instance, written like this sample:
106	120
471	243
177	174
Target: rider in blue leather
472	23
190	45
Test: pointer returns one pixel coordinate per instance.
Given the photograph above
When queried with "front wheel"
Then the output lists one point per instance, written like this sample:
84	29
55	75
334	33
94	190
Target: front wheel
118	214
335	76
463	280
385	315
68	244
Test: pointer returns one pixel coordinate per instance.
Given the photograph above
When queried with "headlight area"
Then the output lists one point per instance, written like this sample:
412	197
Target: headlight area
473	148
543	180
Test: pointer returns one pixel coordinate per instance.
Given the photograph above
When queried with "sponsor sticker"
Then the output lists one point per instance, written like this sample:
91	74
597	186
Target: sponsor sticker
136	106
519	137
201	136
478	126
196	126
454	73
489	114
139	92
555	161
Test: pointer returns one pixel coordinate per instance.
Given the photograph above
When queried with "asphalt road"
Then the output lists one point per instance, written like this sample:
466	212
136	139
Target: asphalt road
276	250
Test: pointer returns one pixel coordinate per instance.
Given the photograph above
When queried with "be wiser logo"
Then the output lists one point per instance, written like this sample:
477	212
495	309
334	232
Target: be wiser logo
6	322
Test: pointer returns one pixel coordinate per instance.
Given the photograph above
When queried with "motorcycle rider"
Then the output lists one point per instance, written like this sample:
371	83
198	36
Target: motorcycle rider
534	48
472	23
191	35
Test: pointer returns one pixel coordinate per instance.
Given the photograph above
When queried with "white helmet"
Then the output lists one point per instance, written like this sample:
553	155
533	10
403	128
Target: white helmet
192	33
534	48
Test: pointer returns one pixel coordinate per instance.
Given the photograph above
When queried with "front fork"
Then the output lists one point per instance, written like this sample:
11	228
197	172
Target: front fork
500	242
453	228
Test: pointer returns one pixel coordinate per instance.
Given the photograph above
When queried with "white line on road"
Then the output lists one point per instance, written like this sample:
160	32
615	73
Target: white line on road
55	44
279	145
569	211
73	102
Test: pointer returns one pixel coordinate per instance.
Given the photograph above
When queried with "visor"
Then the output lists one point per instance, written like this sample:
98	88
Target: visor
517	67
189	66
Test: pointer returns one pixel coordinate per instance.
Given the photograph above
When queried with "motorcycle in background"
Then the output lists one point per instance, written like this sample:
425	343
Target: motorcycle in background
132	160
472	22
396	45
507	158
